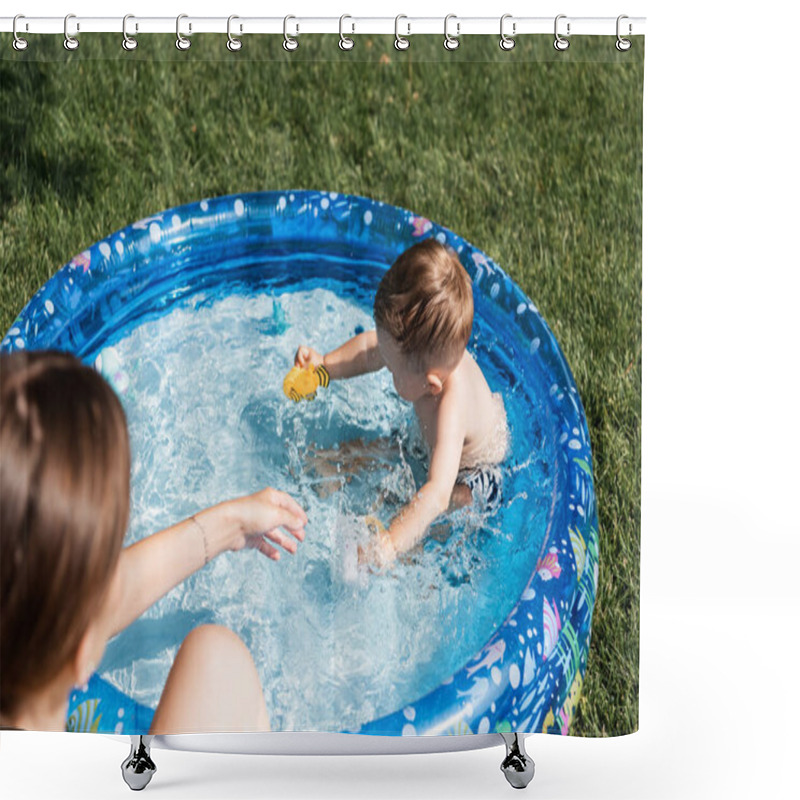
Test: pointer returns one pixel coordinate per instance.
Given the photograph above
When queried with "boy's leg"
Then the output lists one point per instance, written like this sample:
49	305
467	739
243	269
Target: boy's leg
335	466
213	686
461	497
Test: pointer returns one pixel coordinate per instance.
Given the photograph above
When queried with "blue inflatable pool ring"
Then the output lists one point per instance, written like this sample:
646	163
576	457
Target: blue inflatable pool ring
528	676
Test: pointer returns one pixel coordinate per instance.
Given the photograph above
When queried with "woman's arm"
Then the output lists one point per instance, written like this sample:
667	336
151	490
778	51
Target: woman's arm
148	569
356	356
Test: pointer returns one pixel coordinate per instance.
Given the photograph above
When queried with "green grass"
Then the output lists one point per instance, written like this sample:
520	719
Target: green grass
533	156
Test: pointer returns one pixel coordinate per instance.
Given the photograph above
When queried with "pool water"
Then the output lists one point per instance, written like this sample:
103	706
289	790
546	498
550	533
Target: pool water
201	383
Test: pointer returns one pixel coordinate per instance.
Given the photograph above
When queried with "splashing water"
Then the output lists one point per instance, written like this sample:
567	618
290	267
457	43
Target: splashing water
334	647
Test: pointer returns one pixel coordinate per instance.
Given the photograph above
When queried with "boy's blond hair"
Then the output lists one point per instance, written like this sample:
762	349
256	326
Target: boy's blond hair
424	302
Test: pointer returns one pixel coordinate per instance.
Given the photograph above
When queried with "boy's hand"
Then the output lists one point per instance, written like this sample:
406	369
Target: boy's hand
379	551
308	357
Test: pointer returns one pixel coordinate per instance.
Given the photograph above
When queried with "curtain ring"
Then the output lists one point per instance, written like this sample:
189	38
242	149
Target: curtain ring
345	42
506	42
560	43
234	42
70	42
622	44
451	42
400	42
289	44
182	43
19	43
128	42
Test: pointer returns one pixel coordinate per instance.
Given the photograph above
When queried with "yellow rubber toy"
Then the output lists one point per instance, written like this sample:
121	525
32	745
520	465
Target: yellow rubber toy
301	383
374	525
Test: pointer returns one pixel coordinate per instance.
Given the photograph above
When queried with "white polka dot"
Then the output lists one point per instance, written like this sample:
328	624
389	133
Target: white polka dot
119	247
441	238
535	345
204	205
122	236
409	712
574	444
483	725
367	217
14	331
238	207
334	195
521	308
105	249
324	202
496	675
291	198
513	675
155	233
19	343
48	304
281	203
176	221
121	713
495	290
409	730
118	728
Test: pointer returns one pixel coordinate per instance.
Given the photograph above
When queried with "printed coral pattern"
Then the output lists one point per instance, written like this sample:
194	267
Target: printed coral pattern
529	676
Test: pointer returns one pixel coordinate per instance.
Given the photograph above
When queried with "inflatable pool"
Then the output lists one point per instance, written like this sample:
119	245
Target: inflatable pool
510	649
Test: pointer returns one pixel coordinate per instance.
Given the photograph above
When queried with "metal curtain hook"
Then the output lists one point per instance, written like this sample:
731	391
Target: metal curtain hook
128	42
289	44
345	42
234	42
400	42
182	43
622	44
70	42
451	42
560	43
506	42
19	43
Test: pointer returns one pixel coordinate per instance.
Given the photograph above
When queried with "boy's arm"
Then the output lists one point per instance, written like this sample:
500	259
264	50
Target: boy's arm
356	356
411	524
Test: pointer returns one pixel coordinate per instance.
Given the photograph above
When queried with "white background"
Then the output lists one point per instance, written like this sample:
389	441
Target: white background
719	712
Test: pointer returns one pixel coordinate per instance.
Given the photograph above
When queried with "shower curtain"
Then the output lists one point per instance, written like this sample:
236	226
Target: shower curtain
196	217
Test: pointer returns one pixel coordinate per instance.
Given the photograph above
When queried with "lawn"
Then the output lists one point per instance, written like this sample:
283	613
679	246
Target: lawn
533	156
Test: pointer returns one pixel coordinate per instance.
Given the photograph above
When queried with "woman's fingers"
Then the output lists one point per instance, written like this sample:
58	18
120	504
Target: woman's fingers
287	502
280	538
267	549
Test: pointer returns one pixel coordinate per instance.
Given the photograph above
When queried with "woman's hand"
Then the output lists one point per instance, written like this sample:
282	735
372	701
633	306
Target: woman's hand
154	565
268	514
308	357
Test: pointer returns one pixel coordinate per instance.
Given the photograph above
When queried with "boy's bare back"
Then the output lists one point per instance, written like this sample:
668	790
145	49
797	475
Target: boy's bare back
482	411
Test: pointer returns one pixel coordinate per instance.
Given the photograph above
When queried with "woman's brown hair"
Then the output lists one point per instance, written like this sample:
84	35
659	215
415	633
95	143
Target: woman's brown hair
64	495
424	302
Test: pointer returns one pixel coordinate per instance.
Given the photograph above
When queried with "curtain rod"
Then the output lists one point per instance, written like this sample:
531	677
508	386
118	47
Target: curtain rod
297	26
